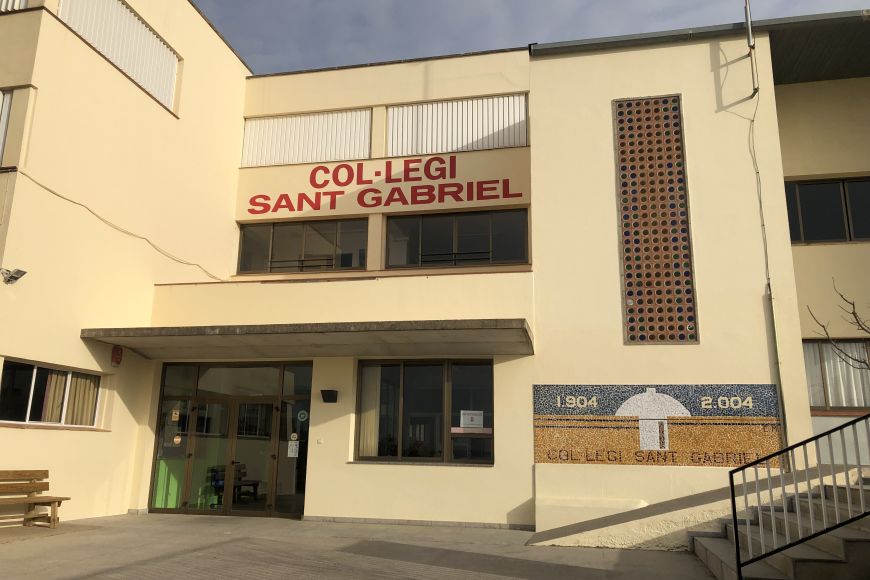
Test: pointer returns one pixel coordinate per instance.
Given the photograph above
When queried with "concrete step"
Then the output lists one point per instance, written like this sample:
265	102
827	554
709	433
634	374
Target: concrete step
830	510
846	542
801	562
718	555
849	493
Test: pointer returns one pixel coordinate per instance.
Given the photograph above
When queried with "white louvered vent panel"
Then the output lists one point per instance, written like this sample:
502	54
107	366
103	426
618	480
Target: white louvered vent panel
309	138
461	125
115	30
9	5
5	105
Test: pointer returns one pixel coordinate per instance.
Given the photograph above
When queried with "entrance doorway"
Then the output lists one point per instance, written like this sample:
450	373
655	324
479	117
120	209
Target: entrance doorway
232	440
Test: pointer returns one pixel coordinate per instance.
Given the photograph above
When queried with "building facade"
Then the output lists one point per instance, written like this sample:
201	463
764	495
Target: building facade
525	288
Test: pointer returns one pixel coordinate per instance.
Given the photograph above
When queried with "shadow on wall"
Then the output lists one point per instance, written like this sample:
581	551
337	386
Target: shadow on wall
135	384
708	508
521	515
739	90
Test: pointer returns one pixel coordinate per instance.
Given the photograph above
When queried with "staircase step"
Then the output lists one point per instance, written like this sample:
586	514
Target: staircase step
801	561
718	555
841	542
831	510
853	490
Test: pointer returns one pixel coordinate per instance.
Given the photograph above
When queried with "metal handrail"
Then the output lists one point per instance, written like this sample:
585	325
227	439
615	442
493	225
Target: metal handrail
759	501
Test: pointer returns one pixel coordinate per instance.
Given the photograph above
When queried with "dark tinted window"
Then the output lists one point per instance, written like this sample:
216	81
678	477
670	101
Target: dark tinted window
463	239
403	241
510	236
423	412
297	379
829	211
302	247
472	391
180	380
254	255
859	208
350	249
401	411
821	205
436	240
473	238
379	410
319	245
287	243
472	449
14	391
791	203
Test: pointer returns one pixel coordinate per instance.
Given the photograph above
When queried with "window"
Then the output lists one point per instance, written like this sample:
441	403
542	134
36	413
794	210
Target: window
461	239
303	246
832	381
828	211
426	411
5	105
34	394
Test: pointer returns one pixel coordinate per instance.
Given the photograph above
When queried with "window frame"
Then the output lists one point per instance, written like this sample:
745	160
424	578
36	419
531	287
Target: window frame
455	263
844	203
829	409
305	224
69	373
447	400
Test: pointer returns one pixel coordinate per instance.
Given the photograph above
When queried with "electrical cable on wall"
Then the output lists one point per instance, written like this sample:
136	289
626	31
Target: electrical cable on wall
116	227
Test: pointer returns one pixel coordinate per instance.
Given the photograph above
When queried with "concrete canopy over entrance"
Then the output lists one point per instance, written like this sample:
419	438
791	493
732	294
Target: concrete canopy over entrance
477	337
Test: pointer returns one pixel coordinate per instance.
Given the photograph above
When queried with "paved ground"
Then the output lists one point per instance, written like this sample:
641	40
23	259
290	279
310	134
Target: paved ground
177	547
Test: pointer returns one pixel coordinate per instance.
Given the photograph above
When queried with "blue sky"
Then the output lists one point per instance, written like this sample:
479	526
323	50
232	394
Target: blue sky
286	35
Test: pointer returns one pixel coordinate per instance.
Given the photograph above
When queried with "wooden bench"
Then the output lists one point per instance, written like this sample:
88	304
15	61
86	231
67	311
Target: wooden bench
23	487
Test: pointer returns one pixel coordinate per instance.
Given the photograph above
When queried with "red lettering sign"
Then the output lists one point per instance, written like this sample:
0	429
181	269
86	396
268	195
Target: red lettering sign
392	183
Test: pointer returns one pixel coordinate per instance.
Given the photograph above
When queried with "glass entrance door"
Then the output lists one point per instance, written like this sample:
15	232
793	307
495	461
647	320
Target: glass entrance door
232	439
249	487
292	458
209	461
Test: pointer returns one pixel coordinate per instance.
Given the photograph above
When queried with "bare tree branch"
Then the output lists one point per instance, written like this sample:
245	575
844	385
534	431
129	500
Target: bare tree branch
853	318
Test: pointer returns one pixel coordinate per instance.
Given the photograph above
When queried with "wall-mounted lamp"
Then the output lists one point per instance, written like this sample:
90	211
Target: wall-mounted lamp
329	395
11	276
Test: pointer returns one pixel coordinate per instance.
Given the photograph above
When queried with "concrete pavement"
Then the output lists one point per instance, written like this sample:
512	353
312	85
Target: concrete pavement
159	546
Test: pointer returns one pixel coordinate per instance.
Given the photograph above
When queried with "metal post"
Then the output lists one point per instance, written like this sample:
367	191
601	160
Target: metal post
821	485
809	491
736	528
846	472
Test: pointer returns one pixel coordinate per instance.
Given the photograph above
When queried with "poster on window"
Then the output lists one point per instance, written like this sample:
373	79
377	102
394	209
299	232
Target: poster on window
694	425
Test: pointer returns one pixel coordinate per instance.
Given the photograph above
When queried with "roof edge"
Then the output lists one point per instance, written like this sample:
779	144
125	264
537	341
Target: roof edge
306	327
389	62
221	36
686	34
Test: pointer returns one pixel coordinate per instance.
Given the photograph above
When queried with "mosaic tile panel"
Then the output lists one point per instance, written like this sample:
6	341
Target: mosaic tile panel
658	282
694	425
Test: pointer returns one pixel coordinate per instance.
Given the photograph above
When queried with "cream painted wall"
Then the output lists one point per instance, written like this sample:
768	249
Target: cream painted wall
108	144
99	470
824	128
578	318
448	296
96	137
426	80
825	133
18	32
818	267
573	177
501	493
